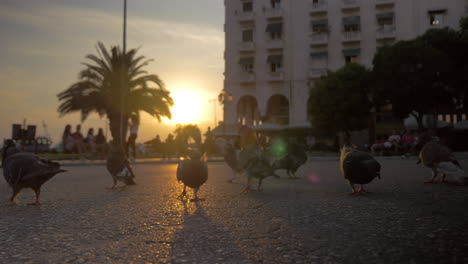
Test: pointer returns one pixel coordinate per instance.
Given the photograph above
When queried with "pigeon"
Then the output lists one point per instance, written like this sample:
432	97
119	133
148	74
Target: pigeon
231	156
27	170
358	167
118	166
192	172
253	159
439	158
291	162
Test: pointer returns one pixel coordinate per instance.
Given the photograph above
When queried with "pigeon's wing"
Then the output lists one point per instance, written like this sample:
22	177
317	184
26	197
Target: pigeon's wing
356	165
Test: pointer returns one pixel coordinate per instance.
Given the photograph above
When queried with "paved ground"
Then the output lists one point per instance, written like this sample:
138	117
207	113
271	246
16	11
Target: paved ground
311	220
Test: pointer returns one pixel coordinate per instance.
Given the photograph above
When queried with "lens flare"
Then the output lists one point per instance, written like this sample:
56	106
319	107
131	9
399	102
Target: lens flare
278	147
313	178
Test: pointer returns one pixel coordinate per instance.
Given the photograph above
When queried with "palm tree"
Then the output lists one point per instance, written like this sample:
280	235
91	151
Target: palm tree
185	135
99	89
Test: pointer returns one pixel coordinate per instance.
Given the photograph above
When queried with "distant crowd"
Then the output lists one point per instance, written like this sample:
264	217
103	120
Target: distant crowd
406	142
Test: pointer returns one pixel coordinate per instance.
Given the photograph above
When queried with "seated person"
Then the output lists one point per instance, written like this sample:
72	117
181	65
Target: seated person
394	139
408	140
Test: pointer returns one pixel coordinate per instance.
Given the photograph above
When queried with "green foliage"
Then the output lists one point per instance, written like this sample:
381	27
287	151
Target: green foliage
409	75
339	102
464	23
99	89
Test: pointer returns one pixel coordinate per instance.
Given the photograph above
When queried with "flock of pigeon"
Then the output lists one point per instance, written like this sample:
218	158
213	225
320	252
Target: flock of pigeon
26	170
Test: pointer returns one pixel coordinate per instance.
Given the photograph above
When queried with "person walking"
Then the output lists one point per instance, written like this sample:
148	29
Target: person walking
134	124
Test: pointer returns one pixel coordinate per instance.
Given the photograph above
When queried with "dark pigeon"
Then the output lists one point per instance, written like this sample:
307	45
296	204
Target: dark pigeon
231	157
192	172
295	158
26	170
358	167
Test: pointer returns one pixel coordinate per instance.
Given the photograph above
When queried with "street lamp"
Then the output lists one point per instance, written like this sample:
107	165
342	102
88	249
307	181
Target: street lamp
123	79
214	109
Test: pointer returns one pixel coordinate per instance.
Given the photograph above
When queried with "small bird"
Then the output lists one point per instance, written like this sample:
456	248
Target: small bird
118	166
192	172
295	158
358	167
439	158
231	156
26	170
253	160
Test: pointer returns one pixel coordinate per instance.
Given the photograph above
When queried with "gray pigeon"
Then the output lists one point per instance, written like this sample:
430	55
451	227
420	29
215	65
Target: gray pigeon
256	164
118	166
295	158
439	158
231	157
26	170
193	173
358	167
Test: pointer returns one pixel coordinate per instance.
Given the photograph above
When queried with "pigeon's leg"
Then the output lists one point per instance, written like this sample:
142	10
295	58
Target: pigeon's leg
15	193
38	193
443	180
233	176
362	191
196	198
434	176
353	191
259	187
184	193
294	175
248	188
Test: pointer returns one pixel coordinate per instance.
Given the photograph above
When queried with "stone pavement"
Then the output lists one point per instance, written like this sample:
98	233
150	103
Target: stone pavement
311	220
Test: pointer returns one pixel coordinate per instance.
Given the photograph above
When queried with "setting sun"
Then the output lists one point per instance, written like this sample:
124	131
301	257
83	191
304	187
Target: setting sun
188	106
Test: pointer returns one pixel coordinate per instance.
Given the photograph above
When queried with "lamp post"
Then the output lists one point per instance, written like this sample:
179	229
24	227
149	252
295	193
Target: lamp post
123	77
214	109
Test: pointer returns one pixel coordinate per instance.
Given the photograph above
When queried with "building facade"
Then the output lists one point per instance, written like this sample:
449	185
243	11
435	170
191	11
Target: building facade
276	48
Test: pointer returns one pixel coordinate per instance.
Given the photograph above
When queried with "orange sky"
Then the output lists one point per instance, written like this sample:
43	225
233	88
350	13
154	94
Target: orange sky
48	40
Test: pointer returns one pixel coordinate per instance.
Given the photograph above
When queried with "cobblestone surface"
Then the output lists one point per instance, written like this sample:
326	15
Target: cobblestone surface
311	220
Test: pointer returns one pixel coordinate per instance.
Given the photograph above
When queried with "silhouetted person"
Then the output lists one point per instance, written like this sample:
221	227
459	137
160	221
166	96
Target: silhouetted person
134	124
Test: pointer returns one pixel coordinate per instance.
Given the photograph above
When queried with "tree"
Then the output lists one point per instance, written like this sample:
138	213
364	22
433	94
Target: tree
408	76
340	101
185	135
99	89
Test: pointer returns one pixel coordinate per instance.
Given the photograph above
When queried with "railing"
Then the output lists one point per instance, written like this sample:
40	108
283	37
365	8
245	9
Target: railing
349	3
384	2
276	76
274	43
245	16
247	77
319	6
351	36
386	32
317	72
246	46
319	38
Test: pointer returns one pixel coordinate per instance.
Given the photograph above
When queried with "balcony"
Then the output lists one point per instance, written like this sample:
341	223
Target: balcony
349	4
384	2
245	16
246	46
315	73
351	36
274	43
318	7
386	32
273	12
277	76
247	77
318	38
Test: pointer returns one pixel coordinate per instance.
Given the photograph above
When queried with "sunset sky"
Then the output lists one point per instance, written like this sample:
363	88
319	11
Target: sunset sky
44	42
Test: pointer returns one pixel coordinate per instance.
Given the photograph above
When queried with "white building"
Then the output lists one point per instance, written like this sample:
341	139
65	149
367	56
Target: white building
276	48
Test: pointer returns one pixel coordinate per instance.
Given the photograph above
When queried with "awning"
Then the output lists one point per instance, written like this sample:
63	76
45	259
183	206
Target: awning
354	20
351	52
319	54
431	11
275	59
388	15
246	61
274	28
319	22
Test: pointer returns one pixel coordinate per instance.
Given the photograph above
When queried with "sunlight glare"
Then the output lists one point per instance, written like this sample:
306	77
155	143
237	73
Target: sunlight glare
188	106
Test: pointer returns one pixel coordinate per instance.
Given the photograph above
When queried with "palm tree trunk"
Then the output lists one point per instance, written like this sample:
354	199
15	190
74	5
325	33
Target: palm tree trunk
114	125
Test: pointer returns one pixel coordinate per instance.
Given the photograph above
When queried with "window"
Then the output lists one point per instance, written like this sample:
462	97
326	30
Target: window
351	59
385	19
275	31
247	6
351	24
275	62
351	28
320	26
247	35
436	17
247	64
275	3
